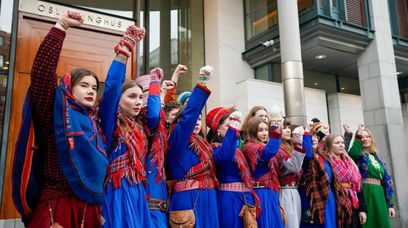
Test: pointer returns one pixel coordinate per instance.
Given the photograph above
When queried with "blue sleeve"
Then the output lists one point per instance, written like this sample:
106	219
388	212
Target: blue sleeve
179	161
226	152
307	144
270	150
153	106
109	104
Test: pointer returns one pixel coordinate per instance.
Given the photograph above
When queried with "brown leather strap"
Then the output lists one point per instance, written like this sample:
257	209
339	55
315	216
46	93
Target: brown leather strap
156	204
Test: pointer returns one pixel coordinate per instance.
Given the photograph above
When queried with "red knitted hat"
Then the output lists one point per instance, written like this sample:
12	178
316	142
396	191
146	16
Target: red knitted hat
214	117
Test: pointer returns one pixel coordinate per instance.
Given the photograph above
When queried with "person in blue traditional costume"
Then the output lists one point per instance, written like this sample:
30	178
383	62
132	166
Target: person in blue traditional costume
69	134
190	165
156	183
125	195
260	146
324	201
237	201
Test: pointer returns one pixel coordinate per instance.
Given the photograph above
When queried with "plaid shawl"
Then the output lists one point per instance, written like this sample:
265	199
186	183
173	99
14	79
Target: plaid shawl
205	169
347	172
317	190
253	151
158	148
131	164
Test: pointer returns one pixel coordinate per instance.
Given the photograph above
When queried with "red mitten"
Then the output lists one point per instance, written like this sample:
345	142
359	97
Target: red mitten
275	131
132	36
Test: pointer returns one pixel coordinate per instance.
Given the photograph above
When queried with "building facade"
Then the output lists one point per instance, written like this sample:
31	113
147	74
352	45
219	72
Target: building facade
349	56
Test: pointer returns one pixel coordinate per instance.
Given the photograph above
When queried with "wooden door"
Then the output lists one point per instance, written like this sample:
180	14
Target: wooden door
83	47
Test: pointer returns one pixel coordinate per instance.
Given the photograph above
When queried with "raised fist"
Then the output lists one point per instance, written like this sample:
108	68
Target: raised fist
156	74
235	120
361	128
325	128
71	18
167	85
297	135
181	69
309	126
206	73
346	128
275	131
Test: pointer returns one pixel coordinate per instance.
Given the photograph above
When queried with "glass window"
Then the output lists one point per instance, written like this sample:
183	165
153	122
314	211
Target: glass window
260	16
176	28
124	8
320	81
269	72
1	41
349	85
1	61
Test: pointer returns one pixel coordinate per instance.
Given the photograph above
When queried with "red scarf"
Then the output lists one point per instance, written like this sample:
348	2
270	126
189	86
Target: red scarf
158	149
206	168
347	172
253	150
131	164
247	177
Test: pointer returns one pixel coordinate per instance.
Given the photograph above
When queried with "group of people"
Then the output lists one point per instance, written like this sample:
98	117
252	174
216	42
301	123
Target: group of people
139	158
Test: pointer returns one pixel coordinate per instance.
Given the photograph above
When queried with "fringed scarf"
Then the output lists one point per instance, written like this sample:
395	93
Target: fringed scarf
253	151
247	178
205	169
131	164
347	172
158	148
317	190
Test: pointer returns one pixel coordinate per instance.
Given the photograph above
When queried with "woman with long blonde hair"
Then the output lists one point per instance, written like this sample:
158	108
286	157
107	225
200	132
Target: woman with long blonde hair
377	185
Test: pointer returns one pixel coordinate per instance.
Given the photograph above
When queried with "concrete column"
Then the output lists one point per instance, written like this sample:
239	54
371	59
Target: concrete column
224	43
291	60
344	109
381	104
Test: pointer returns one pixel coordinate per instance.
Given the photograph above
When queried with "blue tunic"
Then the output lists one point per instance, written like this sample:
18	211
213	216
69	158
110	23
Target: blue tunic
180	158
229	202
156	191
270	210
125	206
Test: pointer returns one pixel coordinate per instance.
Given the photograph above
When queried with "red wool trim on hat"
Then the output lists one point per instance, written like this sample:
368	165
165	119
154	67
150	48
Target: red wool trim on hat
214	117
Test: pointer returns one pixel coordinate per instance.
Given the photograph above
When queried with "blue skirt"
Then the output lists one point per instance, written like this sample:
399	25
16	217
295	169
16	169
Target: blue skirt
157	191
126	206
270	214
229	205
204	203
329	212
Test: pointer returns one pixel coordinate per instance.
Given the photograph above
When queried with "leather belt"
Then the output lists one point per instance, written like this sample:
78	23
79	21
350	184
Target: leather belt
258	185
156	204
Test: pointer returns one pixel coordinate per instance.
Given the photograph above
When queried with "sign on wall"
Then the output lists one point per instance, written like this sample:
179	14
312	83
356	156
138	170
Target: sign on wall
90	18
